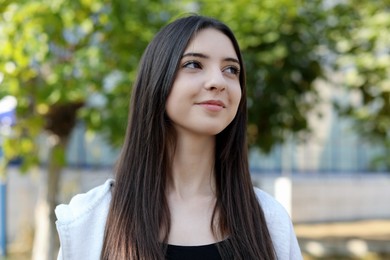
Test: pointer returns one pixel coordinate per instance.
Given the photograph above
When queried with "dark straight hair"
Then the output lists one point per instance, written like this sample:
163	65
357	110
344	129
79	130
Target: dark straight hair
138	221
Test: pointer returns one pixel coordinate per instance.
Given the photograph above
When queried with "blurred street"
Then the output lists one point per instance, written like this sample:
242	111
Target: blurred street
368	239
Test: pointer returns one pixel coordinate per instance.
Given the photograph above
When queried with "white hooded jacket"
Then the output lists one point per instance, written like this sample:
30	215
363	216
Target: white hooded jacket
81	225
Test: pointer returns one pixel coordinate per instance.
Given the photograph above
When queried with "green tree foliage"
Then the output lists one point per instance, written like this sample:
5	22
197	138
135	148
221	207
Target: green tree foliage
64	59
86	53
361	43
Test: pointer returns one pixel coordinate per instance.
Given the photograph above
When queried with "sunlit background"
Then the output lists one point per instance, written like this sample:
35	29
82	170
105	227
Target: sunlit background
318	83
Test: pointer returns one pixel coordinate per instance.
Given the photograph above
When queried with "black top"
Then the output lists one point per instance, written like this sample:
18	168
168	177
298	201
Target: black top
205	252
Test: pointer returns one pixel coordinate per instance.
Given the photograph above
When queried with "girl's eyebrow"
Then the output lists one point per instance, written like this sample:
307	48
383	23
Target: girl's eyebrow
195	54
201	55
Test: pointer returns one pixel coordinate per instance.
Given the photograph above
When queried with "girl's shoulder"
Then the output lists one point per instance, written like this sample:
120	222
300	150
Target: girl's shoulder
280	227
82	204
270	206
81	223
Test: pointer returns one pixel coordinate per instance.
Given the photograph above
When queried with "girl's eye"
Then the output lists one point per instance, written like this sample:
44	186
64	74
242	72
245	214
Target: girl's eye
192	65
232	70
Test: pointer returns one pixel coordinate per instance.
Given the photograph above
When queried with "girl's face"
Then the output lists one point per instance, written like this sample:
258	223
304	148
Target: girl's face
206	92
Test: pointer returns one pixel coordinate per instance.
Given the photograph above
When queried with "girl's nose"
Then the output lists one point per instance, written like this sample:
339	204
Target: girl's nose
215	80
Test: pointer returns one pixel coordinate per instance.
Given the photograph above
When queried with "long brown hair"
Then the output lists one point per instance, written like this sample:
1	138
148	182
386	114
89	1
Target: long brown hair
138	221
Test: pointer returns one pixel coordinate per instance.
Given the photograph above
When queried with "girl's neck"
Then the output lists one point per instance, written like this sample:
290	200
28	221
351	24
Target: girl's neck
193	167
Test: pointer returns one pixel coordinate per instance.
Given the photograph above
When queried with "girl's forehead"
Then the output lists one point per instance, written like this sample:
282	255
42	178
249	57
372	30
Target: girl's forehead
212	42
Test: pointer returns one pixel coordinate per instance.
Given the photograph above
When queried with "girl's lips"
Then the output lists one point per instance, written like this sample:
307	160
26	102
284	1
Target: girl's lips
212	105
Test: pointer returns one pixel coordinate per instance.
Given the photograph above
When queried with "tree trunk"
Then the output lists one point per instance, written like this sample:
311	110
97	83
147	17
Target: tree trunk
46	242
